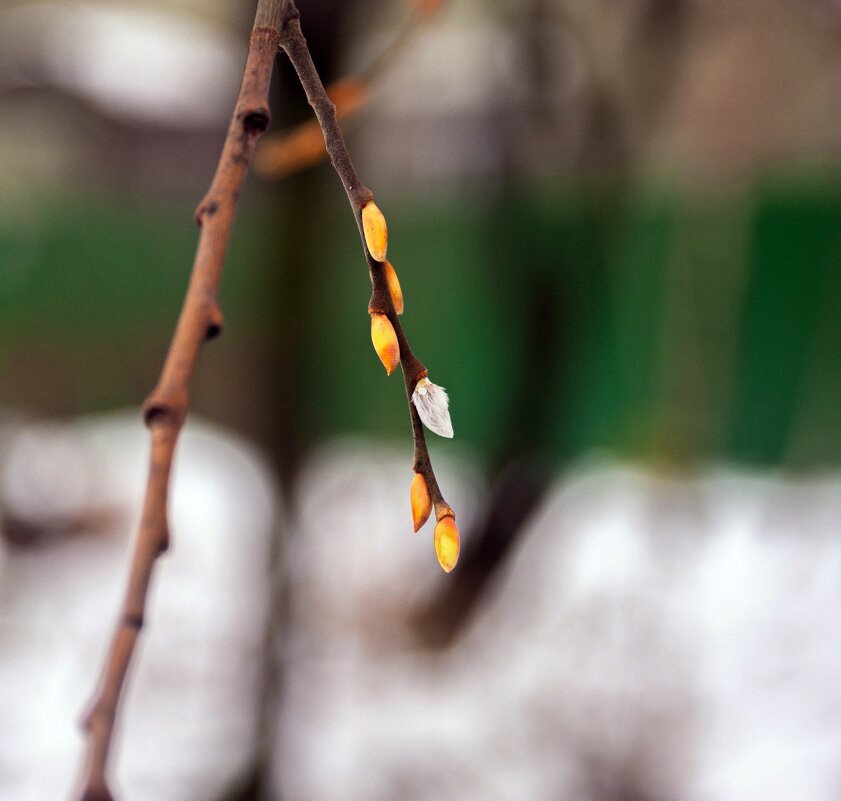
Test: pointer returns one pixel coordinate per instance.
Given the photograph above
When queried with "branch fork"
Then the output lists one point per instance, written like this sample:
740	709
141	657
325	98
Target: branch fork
276	25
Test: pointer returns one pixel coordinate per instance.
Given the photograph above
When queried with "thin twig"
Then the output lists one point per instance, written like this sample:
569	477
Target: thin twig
295	45
420	12
166	407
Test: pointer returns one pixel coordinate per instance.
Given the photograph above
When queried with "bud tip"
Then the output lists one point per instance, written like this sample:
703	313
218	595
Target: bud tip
447	543
375	230
420	501
393	287
385	341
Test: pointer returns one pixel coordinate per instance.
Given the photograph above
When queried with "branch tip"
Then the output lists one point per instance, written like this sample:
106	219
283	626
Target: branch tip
386	298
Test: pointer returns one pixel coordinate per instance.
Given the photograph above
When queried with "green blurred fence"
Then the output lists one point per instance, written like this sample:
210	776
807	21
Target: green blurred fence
662	324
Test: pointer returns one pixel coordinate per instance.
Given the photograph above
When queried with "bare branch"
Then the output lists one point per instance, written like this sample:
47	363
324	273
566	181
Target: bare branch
165	410
166	407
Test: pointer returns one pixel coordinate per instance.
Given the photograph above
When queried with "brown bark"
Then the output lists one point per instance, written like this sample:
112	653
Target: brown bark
166	407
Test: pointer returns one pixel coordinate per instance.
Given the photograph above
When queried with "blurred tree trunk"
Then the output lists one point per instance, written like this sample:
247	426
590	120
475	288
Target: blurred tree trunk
297	281
542	285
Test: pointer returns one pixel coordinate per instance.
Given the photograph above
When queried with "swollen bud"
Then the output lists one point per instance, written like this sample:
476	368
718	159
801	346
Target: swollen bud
393	287
433	407
420	500
385	341
375	229
446	543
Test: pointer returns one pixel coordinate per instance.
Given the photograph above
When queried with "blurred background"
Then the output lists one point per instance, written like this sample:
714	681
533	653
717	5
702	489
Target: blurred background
617	227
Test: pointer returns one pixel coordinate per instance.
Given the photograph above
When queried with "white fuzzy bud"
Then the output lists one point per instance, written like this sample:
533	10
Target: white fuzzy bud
432	404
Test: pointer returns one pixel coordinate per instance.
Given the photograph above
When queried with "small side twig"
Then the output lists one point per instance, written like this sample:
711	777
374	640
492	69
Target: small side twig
295	46
166	407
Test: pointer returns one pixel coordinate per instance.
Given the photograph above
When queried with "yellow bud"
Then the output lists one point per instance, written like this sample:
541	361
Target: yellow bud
447	543
420	500
376	231
385	341
393	287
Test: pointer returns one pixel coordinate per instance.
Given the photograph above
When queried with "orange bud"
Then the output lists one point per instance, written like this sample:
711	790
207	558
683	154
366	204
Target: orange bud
426	7
420	500
447	543
385	341
286	153
375	229
393	287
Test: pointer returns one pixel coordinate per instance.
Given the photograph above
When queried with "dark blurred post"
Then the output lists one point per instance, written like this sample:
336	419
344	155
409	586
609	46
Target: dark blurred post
556	277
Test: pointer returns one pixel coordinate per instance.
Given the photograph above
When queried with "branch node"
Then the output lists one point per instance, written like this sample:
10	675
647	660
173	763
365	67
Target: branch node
290	14
207	208
86	723
215	324
133	620
380	301
159	412
97	794
323	105
256	121
254	115
97	713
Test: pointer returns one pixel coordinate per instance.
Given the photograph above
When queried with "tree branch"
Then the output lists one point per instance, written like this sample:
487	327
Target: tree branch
165	410
166	407
295	46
